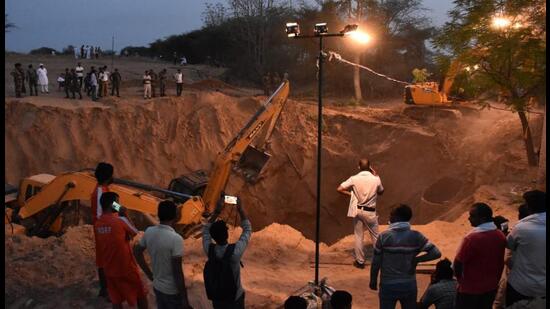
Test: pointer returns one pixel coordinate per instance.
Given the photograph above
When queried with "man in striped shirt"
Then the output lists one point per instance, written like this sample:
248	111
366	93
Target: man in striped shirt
396	256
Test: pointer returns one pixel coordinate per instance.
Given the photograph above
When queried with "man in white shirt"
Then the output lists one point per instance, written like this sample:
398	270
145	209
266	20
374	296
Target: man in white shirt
79	74
165	248
363	189
146	85
527	241
105	82
179	82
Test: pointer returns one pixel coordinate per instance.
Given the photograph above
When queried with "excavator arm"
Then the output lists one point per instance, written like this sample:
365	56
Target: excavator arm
252	136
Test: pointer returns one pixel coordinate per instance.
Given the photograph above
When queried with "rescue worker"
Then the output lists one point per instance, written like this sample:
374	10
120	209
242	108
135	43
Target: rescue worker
104	176
154	79
115	83
32	80
99	83
74	84
18	78
363	190
162	82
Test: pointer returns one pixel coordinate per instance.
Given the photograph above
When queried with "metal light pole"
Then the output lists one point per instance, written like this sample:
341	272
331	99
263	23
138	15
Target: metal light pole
112	52
320	31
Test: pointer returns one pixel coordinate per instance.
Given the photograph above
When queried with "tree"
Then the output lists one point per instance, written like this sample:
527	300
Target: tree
8	25
511	57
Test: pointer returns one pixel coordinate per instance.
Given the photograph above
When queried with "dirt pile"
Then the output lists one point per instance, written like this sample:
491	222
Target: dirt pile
157	140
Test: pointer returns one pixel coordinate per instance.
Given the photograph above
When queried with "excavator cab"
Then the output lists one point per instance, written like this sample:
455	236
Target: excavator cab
192	184
252	163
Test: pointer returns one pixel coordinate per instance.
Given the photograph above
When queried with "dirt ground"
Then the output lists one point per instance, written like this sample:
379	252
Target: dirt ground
437	161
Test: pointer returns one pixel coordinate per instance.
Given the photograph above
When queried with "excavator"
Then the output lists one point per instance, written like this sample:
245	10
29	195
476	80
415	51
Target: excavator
41	200
429	93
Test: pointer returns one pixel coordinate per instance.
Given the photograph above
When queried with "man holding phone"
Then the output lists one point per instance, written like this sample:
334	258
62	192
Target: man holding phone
113	234
363	189
220	252
165	248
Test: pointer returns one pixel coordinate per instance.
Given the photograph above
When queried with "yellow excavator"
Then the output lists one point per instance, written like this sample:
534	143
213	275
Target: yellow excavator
429	93
40	200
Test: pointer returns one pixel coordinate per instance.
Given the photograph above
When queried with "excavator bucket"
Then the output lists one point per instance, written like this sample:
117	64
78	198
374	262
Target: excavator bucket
252	162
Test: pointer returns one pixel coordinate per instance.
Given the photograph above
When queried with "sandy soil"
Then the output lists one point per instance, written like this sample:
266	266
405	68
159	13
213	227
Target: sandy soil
437	161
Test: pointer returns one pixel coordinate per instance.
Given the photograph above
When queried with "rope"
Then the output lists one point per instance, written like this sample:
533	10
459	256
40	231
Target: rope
338	57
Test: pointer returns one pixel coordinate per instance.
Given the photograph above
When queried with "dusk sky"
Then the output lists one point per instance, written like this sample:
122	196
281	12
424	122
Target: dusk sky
58	23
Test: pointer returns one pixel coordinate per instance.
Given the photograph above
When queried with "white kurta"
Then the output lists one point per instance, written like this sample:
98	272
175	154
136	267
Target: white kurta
42	76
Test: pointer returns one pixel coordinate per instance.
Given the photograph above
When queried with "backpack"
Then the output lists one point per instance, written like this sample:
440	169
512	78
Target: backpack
219	280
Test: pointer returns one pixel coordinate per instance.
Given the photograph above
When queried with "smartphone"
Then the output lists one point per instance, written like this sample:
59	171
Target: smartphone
116	206
228	199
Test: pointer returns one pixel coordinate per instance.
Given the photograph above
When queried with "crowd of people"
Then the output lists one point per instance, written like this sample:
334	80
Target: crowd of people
473	280
94	83
87	52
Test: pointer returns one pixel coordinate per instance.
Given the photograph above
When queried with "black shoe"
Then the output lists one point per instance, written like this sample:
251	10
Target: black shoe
359	265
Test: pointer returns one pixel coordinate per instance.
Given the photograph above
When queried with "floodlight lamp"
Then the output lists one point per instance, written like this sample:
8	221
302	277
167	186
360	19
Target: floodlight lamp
360	37
292	29
349	28
501	22
320	28
476	67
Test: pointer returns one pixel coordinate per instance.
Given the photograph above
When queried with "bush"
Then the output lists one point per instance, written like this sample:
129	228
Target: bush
43	51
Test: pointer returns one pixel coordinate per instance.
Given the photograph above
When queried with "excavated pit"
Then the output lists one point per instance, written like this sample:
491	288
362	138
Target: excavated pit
154	141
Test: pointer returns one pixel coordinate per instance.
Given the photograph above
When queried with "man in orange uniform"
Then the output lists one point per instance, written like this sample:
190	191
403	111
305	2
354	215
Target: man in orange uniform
104	175
113	235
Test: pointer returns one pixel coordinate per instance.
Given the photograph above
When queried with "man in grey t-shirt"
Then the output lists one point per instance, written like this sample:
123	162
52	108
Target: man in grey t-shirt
165	248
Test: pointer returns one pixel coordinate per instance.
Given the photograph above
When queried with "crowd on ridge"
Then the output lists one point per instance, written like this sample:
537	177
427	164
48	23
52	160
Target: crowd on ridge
94	83
495	266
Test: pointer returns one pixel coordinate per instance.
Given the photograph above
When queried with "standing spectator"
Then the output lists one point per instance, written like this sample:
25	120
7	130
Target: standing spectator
232	294
340	300
99	52
93	84
18	79
42	78
105	82
32	79
104	176
175	56
179	82
480	259
89	51
99	81
74	84
82	52
146	85
162	82
165	248
113	235
80	74
76	55
442	289
154	79
115	83
363	189
396	256
96	52
66	82
527	241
